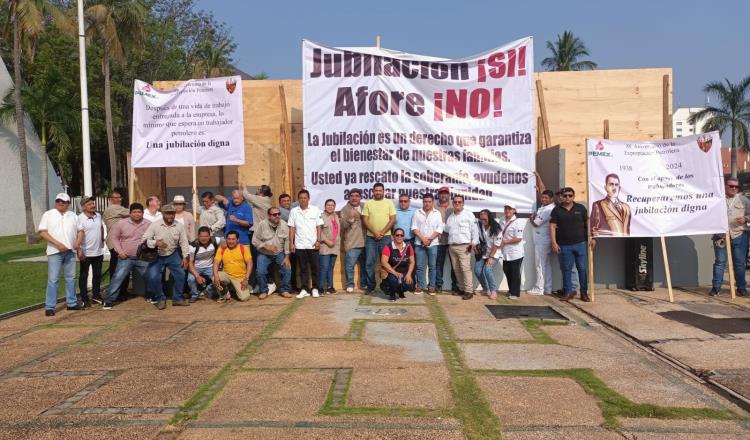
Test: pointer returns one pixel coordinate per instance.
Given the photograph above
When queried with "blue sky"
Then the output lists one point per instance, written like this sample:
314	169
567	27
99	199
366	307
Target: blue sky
700	46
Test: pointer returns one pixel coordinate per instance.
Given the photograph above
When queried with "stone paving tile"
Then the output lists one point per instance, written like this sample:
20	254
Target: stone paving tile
24	398
320	434
270	395
6	333
683	429
33	318
709	355
557	433
382	298
150	387
531	357
531	401
143	331
82	433
97	316
414	387
418	341
639	322
472	320
15	354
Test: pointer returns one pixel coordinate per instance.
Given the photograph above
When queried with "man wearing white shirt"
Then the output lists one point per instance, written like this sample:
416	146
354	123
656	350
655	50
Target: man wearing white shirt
463	238
91	251
427	226
305	225
152	212
542	245
510	242
60	228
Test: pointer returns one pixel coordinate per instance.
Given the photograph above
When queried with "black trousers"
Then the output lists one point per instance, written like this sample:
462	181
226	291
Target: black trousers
308	263
512	271
95	263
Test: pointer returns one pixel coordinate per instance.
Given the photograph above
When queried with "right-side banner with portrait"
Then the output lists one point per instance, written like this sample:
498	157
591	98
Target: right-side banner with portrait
652	188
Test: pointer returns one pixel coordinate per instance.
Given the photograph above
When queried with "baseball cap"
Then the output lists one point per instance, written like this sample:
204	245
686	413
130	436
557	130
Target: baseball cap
443	189
62	196
168	208
510	205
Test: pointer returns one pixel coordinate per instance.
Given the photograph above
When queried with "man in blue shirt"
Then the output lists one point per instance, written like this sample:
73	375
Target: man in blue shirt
404	216
239	215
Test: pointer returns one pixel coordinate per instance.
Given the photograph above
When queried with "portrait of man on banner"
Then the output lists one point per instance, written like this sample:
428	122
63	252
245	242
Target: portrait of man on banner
610	216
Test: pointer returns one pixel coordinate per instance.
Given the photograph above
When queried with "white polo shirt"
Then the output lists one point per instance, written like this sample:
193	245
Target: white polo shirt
62	227
92	243
428	224
305	222
152	218
541	220
511	229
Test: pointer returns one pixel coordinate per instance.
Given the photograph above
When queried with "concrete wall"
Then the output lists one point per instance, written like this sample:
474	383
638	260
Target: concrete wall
12	220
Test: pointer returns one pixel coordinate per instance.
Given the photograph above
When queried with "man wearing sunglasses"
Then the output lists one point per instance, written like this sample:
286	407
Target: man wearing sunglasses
738	213
568	230
271	238
63	233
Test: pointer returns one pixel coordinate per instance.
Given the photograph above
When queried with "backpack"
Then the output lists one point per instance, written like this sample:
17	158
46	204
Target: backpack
242	250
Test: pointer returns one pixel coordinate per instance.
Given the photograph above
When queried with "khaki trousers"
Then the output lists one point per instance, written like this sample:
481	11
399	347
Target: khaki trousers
242	294
461	262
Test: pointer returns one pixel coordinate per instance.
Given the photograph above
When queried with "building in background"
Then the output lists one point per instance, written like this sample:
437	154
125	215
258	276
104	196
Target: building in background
680	125
12	220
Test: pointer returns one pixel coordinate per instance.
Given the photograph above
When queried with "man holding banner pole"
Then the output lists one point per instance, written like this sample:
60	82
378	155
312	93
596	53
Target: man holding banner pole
738	213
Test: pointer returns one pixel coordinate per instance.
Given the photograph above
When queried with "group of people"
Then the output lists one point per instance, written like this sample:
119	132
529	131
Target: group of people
242	243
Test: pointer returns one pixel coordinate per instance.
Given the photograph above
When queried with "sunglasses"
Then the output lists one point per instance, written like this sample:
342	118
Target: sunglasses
567	195
733	186
398	235
275	214
60	201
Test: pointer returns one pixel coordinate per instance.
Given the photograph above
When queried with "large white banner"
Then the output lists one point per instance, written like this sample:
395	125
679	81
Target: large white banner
198	123
418	123
649	189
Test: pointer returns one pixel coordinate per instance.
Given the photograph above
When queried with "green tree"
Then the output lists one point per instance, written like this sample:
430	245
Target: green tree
115	23
27	19
567	52
733	112
212	60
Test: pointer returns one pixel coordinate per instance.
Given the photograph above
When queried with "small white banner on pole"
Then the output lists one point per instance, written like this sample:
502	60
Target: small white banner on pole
418	123
668	187
199	123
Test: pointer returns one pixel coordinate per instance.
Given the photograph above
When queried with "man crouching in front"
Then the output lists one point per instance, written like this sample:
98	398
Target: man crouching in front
236	267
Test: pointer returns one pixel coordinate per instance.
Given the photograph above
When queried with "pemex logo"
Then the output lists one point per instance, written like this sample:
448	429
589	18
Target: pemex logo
599	146
231	85
599	150
146	90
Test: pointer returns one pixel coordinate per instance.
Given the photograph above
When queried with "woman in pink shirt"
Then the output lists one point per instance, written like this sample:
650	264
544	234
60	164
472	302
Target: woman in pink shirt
330	246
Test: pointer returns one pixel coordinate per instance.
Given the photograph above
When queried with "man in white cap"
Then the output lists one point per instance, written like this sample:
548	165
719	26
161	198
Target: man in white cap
63	233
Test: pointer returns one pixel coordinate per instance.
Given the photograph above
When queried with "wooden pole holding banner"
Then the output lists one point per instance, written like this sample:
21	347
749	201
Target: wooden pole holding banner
543	112
730	262
287	141
195	194
589	249
666	134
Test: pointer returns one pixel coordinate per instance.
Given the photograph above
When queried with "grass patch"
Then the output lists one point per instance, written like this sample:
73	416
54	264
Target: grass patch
614	404
23	284
534	327
472	407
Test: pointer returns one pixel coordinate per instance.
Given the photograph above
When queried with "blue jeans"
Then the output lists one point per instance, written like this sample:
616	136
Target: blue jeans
153	275
373	248
207	273
485	275
326	270
392	286
123	269
352	257
570	254
739	254
264	263
426	257
65	263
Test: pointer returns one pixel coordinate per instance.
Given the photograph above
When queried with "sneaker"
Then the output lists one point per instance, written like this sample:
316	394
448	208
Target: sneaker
49	312
513	297
107	306
193	299
713	292
401	295
271	288
302	294
285	294
152	301
75	307
331	291
97	299
86	304
180	303
493	295
431	291
535	292
161	305
467	296
350	290
263	295
417	291
315	293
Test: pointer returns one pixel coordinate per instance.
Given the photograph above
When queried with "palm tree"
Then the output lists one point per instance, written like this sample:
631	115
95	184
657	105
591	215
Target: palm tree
116	23
213	60
733	112
566	53
50	113
27	19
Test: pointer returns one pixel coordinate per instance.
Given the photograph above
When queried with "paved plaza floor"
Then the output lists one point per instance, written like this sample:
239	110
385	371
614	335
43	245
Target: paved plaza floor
354	366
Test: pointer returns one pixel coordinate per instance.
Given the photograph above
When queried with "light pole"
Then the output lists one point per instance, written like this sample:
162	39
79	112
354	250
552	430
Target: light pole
87	186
